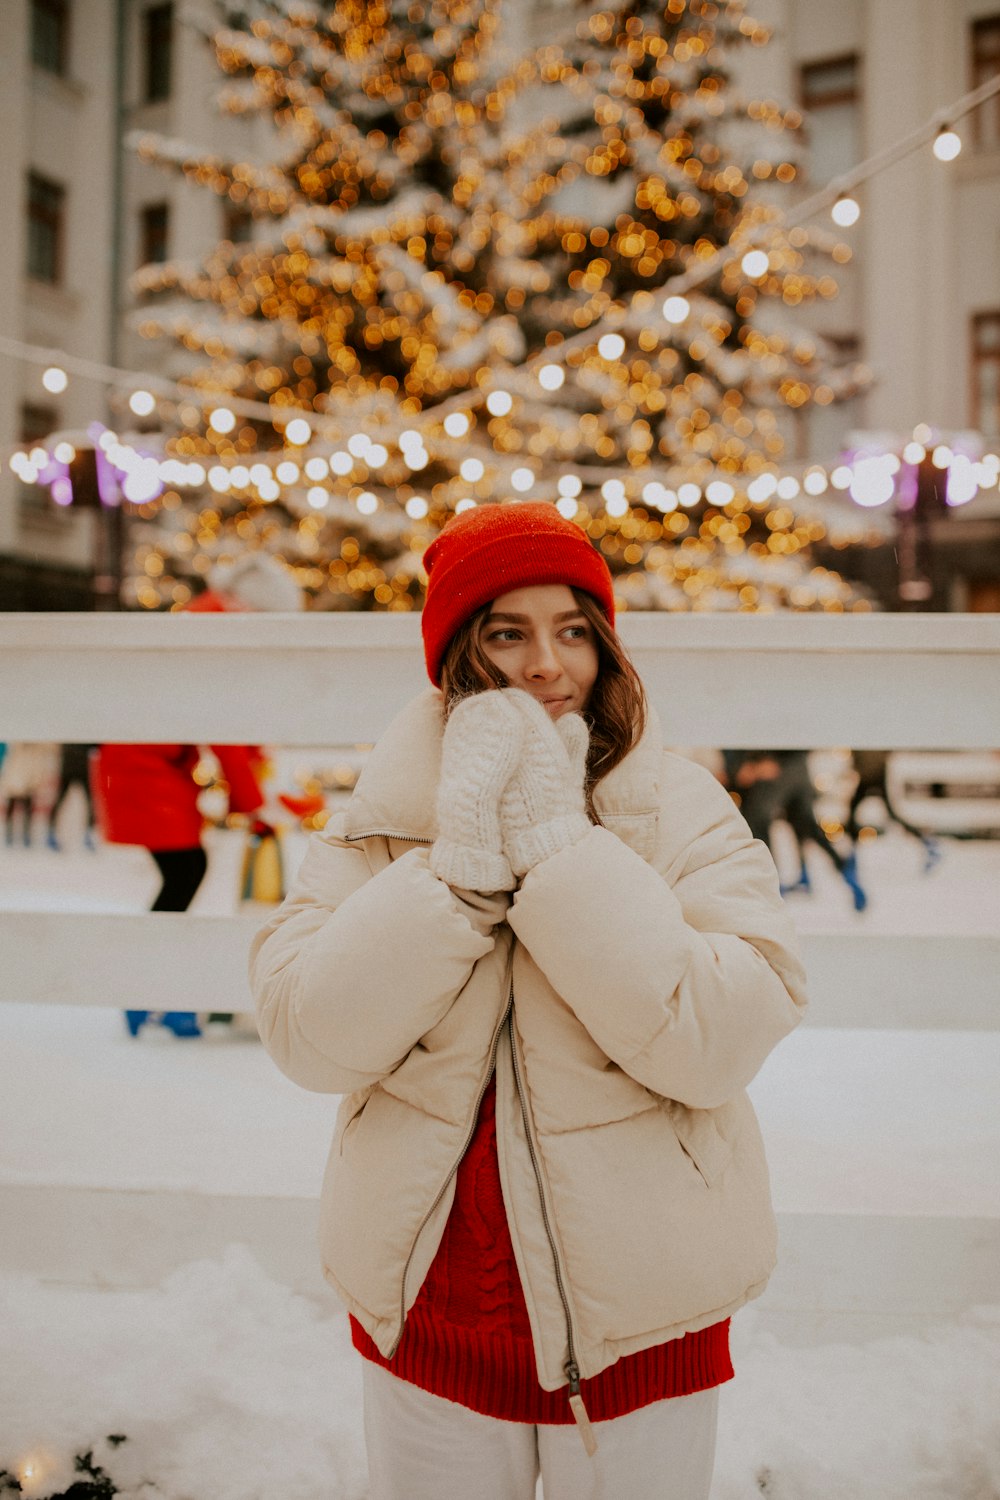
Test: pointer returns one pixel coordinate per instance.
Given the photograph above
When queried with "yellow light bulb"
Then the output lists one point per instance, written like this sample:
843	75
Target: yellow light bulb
846	211
676	309
947	144
755	264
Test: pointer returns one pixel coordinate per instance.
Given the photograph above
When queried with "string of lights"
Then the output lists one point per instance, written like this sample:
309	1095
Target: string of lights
546	367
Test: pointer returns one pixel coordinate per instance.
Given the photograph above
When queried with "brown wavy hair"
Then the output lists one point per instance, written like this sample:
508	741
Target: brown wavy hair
615	713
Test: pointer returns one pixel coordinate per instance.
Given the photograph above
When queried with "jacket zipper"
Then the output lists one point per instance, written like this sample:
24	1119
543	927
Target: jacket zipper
571	1367
454	1168
386	833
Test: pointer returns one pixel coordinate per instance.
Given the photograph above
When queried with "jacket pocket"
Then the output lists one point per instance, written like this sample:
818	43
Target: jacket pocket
700	1139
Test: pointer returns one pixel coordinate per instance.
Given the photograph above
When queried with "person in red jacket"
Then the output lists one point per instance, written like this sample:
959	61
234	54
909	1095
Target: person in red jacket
147	793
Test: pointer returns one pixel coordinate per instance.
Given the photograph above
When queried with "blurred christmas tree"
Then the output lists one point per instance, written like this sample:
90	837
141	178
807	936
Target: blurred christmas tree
465	281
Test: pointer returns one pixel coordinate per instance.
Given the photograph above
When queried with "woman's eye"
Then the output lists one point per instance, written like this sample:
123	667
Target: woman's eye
502	635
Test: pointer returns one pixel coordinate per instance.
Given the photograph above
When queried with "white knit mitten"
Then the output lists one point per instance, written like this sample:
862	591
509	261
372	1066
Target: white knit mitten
544	808
481	747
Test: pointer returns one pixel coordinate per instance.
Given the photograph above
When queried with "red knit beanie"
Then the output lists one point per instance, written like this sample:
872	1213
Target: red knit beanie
488	551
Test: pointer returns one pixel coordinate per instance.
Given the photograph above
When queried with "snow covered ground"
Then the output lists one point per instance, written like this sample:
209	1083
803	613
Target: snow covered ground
230	1385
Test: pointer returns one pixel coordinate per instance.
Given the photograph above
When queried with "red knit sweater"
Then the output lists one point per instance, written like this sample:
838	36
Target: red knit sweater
467	1336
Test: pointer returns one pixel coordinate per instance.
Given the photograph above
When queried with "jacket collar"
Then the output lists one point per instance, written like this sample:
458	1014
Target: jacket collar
397	790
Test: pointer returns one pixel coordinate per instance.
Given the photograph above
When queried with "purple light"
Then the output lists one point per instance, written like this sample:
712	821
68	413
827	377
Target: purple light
107	480
51	472
62	490
906	492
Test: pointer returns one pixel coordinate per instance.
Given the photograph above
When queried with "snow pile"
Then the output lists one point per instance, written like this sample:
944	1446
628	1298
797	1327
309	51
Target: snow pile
905	1418
226	1385
230	1387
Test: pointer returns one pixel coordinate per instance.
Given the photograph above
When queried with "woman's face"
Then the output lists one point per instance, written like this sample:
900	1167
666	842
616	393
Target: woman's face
543	643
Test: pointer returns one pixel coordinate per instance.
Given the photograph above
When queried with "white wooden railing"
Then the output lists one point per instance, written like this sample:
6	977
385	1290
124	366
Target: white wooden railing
905	681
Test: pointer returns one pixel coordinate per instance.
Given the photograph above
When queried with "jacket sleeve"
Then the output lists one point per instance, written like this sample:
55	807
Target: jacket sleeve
354	968
240	764
687	978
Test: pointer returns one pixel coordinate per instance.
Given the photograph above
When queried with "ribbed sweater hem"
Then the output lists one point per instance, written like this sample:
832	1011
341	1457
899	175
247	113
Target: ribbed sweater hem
497	1376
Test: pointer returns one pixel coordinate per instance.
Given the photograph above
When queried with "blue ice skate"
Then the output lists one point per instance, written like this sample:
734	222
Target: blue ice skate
803	884
182	1023
850	875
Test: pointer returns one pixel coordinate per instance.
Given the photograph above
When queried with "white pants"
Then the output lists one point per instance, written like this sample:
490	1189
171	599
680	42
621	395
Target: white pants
422	1447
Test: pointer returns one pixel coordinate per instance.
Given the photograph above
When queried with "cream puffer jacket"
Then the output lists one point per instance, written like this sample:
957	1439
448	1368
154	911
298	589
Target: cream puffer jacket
638	983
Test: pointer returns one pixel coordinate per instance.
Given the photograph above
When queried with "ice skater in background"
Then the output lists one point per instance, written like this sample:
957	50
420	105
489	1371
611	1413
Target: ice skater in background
147	794
774	784
27	770
74	770
870	766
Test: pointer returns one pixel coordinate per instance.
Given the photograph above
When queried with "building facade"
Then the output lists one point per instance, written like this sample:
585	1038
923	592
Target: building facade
77	77
919	304
920	301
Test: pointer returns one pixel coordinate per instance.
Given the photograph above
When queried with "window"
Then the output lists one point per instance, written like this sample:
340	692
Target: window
37	422
50	35
986	373
238	225
154	224
158	41
986	65
46	212
829	93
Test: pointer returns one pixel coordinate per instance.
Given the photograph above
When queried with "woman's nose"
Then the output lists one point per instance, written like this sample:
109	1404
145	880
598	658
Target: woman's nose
543	663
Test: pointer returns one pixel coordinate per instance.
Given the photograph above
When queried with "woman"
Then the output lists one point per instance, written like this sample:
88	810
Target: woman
543	958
